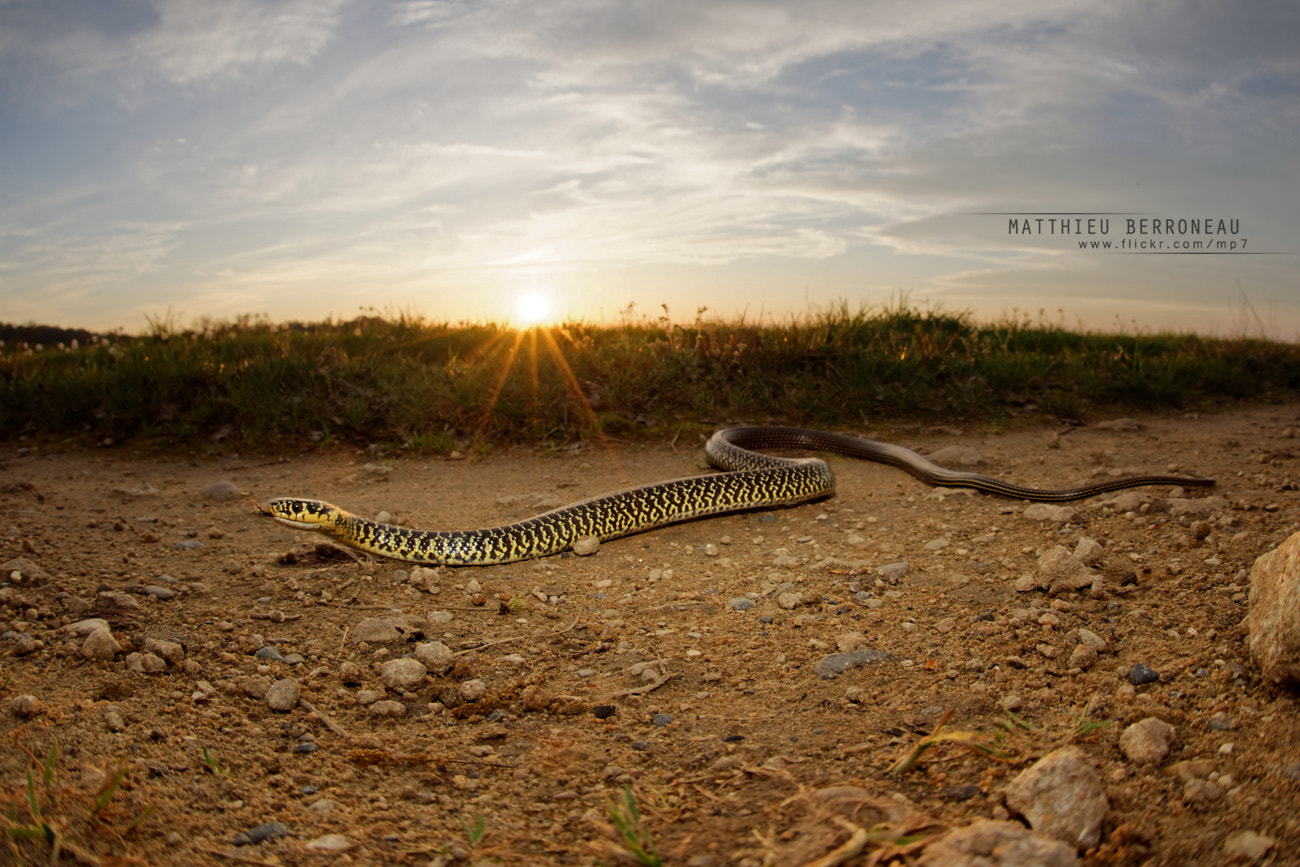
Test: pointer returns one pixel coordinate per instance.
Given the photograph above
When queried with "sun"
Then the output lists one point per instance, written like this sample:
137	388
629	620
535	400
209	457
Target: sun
532	310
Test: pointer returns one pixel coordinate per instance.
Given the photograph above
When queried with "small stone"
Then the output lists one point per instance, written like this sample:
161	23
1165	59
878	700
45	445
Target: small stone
283	695
1140	675
660	720
1082	657
269	654
992	843
1147	741
536	698
375	630
741	603
113	719
1247	846
262	833
223	491
1088	638
836	664
100	644
473	690
168	650
435	656
402	675
24	706
603	711
257	687
586	546
145	663
850	641
387	708
1052	514
892	571
789	601
1061	795
329	843
1274	617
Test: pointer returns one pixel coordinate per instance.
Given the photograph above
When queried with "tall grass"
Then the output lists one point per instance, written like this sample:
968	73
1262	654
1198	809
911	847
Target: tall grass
402	379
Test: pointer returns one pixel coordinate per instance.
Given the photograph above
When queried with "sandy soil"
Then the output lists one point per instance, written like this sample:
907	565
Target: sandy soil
632	665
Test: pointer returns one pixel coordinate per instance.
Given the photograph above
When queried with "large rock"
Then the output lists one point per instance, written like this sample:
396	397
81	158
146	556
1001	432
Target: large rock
1062	796
1274	618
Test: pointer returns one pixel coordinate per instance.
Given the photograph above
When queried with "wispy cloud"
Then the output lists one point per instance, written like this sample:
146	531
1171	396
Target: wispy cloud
442	151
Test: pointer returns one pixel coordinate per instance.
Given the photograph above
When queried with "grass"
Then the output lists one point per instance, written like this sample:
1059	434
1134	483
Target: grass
48	819
429	387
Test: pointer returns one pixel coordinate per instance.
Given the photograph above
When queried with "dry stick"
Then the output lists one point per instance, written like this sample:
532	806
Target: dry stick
329	723
852	847
516	638
650	687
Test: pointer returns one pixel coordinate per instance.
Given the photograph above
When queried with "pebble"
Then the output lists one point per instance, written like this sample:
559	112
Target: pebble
283	695
257	687
402	675
220	492
375	630
1247	846
168	650
269	653
1088	638
1050	513
835	664
740	603
329	843
188	545
536	698
25	706
100	644
1274	617
1062	796
473	690
145	663
601	711
113	719
1082	657
1147	741
269	831
388	708
586	546
1141	674
789	601
893	570
992	843
661	719
435	656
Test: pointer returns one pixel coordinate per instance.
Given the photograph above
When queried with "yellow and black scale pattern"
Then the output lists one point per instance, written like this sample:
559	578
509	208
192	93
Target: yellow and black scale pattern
751	481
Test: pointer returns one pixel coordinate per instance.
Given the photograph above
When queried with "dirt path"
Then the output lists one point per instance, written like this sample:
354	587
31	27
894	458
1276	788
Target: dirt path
635	665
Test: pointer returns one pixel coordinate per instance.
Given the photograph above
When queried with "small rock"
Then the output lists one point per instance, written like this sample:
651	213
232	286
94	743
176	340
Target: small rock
283	695
789	601
850	641
388	708
257	687
1140	674
473	690
1061	795
24	706
145	663
535	698
1274	618
402	675
740	603
1082	657
269	653
661	719
168	650
329	843
990	843
894	570
100	644
220	492
1247	846
586	546
435	656
262	833
836	664
113	719
1147	741
375	630
1050	513
1091	639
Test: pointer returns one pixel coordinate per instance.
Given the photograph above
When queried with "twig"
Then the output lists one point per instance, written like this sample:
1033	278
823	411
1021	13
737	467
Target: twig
516	638
649	687
329	723
851	847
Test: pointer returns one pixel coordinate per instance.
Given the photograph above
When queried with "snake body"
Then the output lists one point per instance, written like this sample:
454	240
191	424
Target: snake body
751	480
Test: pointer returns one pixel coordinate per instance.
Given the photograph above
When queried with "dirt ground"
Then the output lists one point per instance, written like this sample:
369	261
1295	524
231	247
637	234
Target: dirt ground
573	676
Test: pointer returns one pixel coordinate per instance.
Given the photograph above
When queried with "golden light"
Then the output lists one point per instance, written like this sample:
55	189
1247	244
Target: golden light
533	309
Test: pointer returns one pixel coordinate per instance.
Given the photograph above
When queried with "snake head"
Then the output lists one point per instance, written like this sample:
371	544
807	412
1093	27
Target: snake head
302	514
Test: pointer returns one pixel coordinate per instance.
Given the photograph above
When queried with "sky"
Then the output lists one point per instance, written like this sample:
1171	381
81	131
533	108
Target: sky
304	159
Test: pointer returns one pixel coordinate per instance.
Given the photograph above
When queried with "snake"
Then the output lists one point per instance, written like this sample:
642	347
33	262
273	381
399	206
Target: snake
749	480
